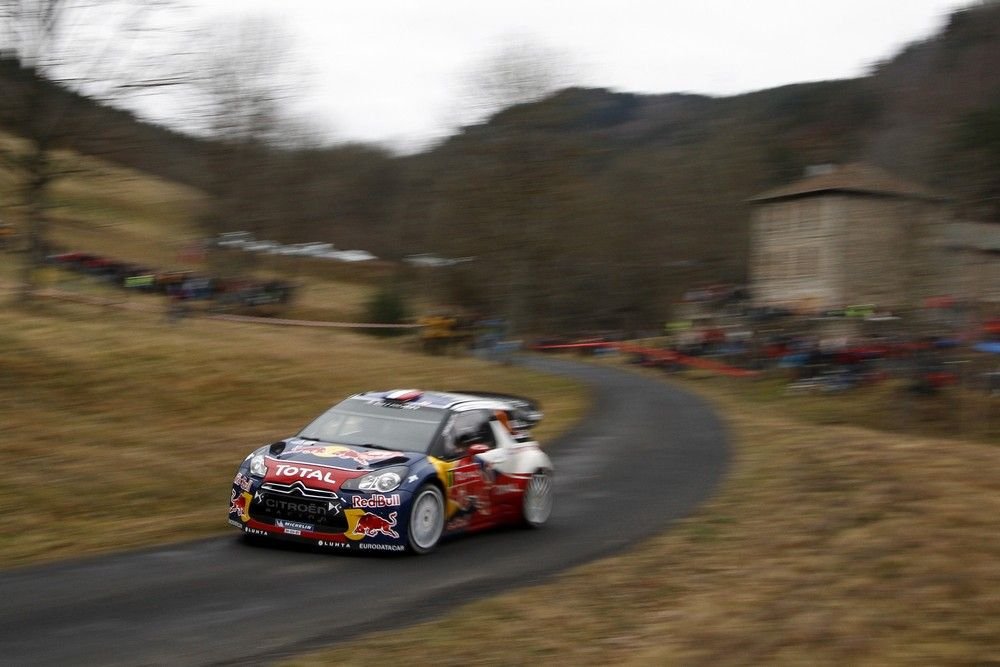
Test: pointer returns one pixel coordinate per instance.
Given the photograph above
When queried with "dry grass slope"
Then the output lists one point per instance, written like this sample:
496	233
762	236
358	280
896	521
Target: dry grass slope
121	430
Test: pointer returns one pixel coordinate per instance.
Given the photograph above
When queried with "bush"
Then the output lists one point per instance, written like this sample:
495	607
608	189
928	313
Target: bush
388	306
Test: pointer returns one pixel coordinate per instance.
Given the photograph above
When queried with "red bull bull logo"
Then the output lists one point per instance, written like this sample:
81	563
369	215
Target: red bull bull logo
367	524
239	504
341	452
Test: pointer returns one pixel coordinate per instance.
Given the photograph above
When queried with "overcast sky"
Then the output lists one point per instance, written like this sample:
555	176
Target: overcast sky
392	71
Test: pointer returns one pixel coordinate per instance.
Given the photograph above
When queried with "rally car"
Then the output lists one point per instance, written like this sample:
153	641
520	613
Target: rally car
396	471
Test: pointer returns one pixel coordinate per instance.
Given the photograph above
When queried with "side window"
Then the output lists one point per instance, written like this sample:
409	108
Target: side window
446	446
473	427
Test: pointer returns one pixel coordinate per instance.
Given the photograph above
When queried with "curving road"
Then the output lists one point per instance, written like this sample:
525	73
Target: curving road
645	456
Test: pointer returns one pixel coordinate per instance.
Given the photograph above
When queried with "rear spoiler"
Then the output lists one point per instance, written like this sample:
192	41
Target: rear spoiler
525	411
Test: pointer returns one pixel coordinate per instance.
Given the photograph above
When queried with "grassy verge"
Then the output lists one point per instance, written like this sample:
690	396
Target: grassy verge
121	430
828	545
965	410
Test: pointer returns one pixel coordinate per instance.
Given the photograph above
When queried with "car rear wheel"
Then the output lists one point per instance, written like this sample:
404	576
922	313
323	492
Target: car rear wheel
426	519
538	498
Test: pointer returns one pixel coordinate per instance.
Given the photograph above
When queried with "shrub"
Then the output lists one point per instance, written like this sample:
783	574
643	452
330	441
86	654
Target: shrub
388	306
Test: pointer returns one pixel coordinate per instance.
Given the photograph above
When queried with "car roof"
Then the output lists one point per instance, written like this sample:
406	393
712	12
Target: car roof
434	399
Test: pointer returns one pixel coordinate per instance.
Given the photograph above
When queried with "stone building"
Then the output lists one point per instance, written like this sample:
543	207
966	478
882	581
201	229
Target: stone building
973	249
846	235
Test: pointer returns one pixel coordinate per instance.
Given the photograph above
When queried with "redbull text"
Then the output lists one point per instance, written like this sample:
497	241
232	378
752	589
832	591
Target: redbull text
375	502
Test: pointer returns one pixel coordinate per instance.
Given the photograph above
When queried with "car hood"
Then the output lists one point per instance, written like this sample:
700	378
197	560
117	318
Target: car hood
344	457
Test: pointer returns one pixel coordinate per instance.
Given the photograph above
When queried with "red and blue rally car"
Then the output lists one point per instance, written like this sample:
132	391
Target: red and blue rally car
397	471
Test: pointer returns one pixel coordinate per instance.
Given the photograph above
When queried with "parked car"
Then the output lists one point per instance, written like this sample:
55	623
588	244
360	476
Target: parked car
237	239
397	471
268	247
351	255
315	249
433	261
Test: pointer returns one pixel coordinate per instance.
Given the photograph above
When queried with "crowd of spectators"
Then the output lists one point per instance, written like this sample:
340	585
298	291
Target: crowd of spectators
815	360
181	287
810	357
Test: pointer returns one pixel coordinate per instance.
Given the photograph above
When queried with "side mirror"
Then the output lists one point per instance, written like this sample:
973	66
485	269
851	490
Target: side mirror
478	448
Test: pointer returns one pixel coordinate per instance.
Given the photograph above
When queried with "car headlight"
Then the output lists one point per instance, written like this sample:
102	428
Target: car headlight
257	466
380	481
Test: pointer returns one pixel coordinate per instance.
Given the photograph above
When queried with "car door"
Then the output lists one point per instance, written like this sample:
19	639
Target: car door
472	474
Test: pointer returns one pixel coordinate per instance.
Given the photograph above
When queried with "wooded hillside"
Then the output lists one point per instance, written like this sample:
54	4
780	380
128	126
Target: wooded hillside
592	208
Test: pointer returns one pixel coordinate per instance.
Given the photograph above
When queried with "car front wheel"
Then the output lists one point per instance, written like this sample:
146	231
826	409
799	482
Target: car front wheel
538	498
426	519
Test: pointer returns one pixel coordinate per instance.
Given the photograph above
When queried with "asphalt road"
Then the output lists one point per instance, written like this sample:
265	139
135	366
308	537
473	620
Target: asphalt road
647	455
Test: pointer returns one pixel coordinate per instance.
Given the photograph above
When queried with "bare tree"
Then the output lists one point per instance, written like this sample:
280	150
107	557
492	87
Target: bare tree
506	190
519	72
50	49
241	99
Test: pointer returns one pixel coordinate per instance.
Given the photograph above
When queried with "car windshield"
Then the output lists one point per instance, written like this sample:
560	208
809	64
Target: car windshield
383	425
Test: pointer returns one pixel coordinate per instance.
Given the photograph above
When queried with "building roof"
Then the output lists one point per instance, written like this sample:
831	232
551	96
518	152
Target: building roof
855	178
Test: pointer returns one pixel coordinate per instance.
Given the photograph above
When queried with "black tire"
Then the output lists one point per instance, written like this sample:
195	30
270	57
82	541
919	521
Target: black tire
425	523
536	506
